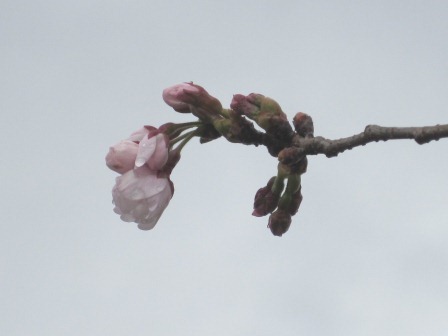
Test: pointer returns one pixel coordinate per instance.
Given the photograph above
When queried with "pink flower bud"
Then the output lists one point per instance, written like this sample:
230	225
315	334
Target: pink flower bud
189	97
267	113
141	196
121	157
181	96
247	105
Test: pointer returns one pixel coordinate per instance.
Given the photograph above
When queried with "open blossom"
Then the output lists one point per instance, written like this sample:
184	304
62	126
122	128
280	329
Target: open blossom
141	196
142	192
144	146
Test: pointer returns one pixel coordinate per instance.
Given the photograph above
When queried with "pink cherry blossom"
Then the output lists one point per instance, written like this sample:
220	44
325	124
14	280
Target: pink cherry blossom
121	157
141	196
143	192
139	134
180	96
153	151
144	146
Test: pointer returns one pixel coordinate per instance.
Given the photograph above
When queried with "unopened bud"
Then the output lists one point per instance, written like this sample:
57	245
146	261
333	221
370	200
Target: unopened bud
179	96
263	110
247	105
189	97
279	222
121	157
303	124
265	200
267	113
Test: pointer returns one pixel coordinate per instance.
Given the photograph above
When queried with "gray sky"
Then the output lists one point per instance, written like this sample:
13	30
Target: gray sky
365	255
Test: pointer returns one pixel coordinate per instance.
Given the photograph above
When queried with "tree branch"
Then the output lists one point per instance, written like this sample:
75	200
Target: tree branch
321	145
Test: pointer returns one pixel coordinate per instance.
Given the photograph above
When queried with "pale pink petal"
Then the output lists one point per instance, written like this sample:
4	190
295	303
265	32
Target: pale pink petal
141	197
139	134
121	157
160	155
146	149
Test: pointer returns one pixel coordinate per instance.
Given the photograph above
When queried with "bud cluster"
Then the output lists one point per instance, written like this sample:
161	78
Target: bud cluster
145	161
192	98
267	113
279	201
283	202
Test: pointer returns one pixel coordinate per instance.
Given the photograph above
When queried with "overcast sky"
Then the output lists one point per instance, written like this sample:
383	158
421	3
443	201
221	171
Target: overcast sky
365	255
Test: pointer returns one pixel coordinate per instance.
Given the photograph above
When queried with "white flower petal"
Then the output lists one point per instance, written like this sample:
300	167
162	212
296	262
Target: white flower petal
140	196
146	149
139	134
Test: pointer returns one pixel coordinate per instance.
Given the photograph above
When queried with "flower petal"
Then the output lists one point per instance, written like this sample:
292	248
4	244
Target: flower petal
146	148
160	155
121	157
139	134
141	197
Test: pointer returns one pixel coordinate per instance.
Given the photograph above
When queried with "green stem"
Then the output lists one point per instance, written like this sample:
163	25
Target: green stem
191	124
293	183
178	128
278	185
184	138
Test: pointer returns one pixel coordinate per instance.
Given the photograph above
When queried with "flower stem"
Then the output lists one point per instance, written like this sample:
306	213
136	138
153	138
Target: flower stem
176	129
279	185
184	138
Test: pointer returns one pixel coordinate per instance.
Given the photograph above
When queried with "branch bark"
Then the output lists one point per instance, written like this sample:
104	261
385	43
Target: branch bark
331	148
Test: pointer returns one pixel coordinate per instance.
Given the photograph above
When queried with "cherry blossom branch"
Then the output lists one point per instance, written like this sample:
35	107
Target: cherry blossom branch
147	157
372	133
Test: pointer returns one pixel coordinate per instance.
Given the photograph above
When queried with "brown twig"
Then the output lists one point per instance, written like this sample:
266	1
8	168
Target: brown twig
321	145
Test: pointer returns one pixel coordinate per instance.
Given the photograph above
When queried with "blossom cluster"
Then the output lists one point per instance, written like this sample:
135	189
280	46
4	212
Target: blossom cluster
142	191
147	157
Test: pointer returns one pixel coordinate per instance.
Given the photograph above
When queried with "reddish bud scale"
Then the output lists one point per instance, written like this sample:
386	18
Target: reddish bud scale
207	133
171	130
300	167
289	155
265	200
303	124
246	105
279	222
173	159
